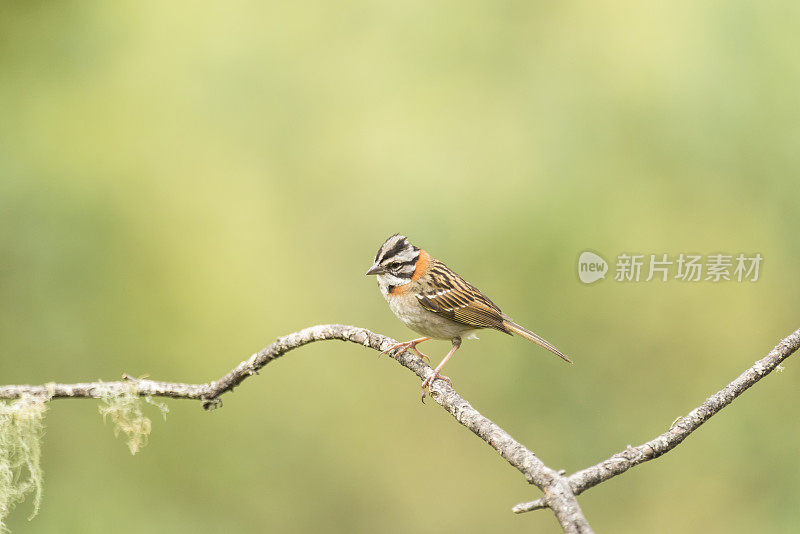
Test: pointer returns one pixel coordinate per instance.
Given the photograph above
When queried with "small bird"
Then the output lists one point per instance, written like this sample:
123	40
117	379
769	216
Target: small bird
436	302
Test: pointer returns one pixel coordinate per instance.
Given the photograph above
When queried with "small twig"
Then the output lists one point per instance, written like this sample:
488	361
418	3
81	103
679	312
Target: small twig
680	429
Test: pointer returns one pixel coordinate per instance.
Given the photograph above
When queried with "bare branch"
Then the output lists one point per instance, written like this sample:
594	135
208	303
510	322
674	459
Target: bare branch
559	495
559	491
587	478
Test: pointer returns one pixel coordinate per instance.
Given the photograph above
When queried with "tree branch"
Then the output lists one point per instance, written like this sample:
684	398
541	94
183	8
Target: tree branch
558	493
584	479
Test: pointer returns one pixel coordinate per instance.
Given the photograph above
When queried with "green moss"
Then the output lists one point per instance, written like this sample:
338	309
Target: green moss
21	429
125	411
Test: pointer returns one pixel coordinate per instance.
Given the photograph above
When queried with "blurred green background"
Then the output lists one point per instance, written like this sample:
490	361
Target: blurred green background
180	183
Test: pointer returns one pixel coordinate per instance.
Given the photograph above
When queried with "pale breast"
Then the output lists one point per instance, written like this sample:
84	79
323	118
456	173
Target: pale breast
408	309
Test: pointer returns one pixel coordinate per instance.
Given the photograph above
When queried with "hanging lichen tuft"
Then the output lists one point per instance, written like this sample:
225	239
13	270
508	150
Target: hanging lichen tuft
124	409
21	430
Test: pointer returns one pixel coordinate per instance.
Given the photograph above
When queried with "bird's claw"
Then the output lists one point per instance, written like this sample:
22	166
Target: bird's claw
403	347
428	382
393	348
420	354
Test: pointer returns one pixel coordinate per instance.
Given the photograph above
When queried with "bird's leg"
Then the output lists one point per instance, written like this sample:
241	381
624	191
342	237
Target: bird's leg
426	384
408	345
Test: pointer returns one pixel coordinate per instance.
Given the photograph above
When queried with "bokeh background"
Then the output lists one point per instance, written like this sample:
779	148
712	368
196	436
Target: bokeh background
180	183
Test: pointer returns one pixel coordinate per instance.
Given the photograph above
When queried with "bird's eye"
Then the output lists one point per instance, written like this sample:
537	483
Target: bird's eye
394	265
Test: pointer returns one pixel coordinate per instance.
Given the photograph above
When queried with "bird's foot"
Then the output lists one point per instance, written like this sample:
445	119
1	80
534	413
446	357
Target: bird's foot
403	347
428	382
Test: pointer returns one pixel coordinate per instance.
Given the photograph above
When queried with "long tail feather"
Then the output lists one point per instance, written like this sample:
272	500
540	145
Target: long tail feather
530	336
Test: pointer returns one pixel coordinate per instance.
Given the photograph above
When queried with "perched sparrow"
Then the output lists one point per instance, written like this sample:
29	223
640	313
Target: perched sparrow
436	302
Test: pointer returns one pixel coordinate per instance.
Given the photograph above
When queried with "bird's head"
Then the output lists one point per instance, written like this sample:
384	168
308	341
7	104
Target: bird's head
395	261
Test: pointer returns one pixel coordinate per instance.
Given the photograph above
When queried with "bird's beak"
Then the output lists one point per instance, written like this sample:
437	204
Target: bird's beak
375	269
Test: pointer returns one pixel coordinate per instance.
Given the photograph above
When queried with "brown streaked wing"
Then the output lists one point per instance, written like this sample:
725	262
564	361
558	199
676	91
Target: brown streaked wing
449	295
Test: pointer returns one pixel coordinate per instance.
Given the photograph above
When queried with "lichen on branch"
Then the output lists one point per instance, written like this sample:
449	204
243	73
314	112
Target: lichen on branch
21	429
123	406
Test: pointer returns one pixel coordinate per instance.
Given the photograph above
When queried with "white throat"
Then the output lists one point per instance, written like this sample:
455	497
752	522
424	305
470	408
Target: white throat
386	280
